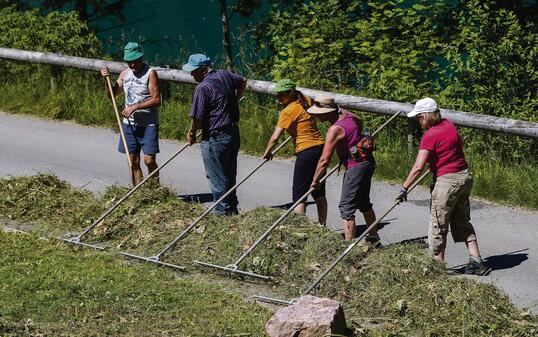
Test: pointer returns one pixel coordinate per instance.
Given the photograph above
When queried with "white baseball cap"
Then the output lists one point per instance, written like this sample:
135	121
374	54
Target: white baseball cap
422	106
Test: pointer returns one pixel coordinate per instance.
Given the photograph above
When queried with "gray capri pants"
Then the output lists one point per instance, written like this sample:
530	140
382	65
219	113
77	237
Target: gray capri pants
356	190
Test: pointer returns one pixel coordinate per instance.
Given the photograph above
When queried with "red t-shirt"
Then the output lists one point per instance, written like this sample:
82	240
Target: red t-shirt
446	148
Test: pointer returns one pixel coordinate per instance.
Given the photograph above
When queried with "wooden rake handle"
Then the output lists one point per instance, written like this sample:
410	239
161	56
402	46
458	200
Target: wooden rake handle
118	120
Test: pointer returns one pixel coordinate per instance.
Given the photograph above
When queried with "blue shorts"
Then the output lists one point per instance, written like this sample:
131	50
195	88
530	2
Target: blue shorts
140	137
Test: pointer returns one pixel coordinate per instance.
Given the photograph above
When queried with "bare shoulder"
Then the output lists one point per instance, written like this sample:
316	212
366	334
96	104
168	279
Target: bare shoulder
335	131
123	74
153	73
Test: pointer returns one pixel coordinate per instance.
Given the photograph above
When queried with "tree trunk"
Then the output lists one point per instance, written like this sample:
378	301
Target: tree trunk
81	6
226	36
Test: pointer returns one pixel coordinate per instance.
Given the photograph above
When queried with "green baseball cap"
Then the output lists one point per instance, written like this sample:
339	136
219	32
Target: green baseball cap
284	85
132	52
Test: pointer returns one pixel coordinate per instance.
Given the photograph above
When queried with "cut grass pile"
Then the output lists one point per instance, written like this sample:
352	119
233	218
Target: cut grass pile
398	290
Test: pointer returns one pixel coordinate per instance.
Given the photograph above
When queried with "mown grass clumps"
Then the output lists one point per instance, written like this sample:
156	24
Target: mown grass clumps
410	294
395	290
46	200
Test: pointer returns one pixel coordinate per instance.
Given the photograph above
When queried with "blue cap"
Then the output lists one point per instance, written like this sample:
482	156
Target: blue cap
196	61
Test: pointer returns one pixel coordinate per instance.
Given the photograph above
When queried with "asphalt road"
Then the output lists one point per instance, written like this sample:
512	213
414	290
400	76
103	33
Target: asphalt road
87	157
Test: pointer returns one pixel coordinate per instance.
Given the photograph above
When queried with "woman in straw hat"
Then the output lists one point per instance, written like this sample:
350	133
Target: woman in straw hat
308	144
343	135
442	146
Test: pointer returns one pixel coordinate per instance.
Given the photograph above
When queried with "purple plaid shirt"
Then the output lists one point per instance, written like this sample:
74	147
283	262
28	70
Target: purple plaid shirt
214	101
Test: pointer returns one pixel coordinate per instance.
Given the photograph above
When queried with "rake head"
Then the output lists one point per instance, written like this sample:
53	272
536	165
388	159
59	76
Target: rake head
274	300
76	241
153	259
232	268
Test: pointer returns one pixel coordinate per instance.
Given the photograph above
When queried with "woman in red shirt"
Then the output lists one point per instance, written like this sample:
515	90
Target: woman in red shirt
442	147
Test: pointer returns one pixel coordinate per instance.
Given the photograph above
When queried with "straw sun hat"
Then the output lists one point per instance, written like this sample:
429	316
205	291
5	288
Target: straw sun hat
322	105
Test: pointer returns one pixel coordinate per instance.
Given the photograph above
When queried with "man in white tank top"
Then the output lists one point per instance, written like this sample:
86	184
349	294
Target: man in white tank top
141	113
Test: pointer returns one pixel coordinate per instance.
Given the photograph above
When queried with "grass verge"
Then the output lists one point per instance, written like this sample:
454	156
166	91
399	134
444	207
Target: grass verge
398	290
51	289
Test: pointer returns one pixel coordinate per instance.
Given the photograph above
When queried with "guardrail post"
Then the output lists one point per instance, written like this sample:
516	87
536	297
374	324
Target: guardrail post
413	131
55	74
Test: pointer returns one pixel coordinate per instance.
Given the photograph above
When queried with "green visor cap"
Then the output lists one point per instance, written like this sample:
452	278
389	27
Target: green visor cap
132	52
284	85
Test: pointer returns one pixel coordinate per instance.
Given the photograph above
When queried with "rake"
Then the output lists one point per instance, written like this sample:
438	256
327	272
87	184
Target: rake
170	246
342	256
234	267
118	120
77	240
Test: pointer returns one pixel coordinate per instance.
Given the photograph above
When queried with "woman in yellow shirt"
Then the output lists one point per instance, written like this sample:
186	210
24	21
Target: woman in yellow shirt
308	144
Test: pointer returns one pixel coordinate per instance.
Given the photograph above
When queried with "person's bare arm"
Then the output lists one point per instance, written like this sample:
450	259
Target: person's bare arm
153	101
416	170
196	124
334	135
271	143
116	86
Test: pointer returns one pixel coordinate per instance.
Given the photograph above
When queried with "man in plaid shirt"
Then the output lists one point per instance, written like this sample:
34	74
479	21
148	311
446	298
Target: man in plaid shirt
215	110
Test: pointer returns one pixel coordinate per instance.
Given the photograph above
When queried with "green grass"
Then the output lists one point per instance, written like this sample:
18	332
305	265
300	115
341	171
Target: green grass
80	97
395	291
52	289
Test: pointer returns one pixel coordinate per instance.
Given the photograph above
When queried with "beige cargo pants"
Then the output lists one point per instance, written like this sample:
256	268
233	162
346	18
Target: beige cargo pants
450	208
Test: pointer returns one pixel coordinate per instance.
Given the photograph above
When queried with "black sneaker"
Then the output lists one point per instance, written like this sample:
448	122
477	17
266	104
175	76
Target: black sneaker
476	268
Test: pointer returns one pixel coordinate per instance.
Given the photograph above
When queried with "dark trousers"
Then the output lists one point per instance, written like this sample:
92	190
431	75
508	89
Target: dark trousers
219	154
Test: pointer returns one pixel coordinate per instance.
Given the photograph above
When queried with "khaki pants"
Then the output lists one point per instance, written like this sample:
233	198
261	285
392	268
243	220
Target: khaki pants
450	207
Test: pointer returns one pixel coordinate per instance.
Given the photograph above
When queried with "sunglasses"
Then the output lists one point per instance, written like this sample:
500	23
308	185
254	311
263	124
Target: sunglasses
323	105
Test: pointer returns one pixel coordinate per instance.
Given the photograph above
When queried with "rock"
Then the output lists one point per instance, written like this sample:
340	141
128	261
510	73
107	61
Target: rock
310	317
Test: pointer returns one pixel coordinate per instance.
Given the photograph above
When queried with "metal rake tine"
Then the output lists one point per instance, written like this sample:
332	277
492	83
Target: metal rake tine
274	300
233	270
76	241
154	260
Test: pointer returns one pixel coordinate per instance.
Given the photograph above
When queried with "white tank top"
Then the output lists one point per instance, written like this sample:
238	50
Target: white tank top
136	88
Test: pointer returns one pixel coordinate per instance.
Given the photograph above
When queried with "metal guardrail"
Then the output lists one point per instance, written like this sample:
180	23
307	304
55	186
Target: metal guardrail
377	106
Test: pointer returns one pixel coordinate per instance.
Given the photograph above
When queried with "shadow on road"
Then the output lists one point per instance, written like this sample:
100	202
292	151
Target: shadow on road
421	240
499	262
359	229
506	261
200	197
286	206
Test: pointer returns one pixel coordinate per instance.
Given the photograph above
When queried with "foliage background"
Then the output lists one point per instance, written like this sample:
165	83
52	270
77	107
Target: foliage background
476	56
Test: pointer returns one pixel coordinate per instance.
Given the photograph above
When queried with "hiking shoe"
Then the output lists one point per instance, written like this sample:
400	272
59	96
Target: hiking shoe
476	268
371	242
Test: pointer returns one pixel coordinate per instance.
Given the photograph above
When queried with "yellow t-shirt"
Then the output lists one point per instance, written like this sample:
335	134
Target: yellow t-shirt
301	126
